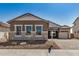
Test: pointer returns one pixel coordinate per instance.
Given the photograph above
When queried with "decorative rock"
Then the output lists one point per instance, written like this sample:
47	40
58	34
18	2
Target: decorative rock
22	43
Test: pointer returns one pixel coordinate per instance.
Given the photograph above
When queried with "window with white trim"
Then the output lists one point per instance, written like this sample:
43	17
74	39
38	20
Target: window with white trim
18	29
38	29
28	29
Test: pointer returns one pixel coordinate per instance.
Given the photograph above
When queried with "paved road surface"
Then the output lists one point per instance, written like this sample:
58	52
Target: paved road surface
37	52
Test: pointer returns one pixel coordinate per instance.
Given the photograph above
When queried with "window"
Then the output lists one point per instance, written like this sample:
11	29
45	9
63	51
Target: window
18	29
38	29
28	29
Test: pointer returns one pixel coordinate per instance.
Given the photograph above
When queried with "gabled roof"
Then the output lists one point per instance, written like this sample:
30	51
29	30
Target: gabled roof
76	20
51	24
4	24
27	14
65	26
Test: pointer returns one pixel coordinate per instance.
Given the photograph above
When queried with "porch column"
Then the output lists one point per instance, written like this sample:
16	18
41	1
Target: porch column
51	34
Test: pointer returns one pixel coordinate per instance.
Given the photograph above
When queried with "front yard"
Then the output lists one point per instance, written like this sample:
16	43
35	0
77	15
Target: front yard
72	44
45	45
61	47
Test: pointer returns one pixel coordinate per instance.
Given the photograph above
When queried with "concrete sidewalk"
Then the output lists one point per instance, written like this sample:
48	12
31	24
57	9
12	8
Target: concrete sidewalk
23	52
37	52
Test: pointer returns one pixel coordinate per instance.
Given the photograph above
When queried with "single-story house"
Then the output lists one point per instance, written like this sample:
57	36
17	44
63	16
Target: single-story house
30	27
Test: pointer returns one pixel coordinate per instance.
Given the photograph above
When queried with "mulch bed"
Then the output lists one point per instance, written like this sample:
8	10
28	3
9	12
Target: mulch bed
29	46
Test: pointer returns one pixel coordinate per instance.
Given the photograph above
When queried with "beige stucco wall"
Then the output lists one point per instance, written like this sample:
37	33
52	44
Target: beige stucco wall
27	17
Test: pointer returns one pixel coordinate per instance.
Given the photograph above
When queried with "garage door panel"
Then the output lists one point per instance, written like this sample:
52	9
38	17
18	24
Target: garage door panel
63	35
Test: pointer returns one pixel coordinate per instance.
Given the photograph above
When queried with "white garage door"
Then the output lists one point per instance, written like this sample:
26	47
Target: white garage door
63	35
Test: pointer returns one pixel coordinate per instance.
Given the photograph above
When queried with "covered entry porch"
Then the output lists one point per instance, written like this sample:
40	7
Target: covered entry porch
53	33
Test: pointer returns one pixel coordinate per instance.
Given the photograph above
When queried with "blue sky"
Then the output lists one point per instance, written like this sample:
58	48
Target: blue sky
63	14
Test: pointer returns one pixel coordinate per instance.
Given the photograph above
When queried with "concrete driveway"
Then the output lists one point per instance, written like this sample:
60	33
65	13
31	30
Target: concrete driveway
64	53
67	43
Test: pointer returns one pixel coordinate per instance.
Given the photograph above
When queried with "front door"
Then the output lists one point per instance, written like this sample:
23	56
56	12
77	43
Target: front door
55	34
49	34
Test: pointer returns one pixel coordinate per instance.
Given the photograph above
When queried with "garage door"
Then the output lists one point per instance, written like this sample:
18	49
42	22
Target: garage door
63	35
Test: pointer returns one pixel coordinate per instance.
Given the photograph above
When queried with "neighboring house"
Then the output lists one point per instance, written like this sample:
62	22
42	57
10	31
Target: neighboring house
76	28
30	27
64	32
4	32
